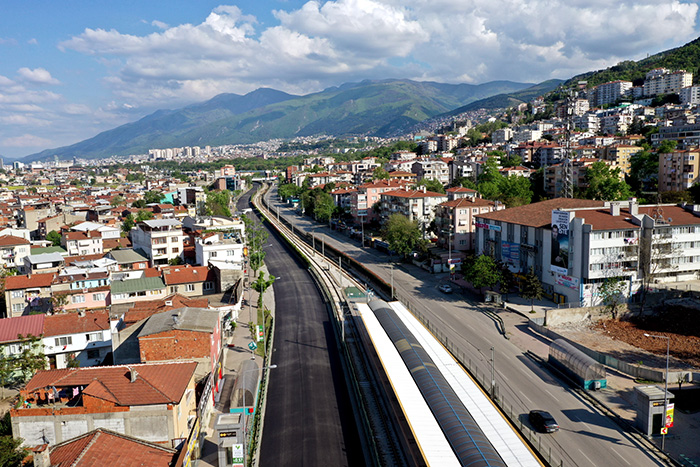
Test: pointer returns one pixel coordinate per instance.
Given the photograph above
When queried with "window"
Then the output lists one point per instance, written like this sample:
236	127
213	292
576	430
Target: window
213	254
18	308
93	354
63	341
18	294
15	349
189	287
208	285
230	252
173	288
176	250
78	298
98	297
93	337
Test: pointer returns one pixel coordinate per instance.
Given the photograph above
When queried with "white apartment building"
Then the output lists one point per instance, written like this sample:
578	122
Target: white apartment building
105	231
502	135
85	336
221	249
690	95
13	250
608	93
663	81
160	239
602	240
432	170
83	243
417	205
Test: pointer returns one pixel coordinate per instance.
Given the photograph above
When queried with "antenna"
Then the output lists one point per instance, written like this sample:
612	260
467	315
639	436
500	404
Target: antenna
568	188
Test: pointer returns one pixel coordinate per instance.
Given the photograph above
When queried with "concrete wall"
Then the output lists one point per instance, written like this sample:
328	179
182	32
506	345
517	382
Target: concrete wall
563	316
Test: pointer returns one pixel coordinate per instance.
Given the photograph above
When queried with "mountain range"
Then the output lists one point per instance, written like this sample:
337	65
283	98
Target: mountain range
374	108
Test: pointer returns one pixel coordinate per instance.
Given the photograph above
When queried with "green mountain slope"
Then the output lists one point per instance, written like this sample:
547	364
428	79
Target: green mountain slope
377	108
686	57
502	101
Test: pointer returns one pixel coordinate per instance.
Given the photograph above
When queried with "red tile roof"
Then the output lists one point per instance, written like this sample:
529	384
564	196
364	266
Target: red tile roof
113	243
460	189
72	323
185	275
413	194
29	281
601	219
467	202
156	383
104	447
142	310
10	328
539	214
10	240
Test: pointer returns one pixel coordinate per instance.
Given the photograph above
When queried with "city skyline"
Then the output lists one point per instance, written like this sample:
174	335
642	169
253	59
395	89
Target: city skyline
72	70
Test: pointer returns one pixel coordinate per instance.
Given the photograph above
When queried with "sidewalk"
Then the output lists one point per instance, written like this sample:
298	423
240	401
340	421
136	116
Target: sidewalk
233	358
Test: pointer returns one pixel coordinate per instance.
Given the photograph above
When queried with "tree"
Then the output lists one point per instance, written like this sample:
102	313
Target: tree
11	452
379	174
667	146
217	203
58	301
117	201
531	288
433	185
139	204
644	172
463	182
144	215
605	184
515	190
153	197
128	223
54	237
257	237
323	206
402	234
482	272
288	190
175	261
611	293
261	285
31	358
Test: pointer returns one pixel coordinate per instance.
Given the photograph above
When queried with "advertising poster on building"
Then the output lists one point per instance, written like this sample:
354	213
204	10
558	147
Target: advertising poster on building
510	254
560	242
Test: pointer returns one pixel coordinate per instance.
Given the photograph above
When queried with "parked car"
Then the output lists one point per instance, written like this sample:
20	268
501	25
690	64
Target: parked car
445	288
543	421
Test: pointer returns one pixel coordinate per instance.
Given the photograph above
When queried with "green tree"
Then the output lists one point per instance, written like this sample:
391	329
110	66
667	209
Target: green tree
288	190
605	183
482	272
260	285
610	292
323	206
31	358
128	223
379	174
667	146
257	238
139	204
117	201
11	452
217	203
644	172
175	261
54	237
515	190
433	185
402	234
531	289
463	182
153	197
143	215
58	301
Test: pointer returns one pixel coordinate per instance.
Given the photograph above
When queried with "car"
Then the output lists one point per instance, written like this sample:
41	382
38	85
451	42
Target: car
445	288
543	421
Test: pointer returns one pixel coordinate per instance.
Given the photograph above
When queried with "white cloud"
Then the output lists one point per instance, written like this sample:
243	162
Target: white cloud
37	76
159	24
76	109
26	141
33	41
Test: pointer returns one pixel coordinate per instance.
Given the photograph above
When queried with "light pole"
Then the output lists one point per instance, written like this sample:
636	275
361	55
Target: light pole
245	411
668	349
493	379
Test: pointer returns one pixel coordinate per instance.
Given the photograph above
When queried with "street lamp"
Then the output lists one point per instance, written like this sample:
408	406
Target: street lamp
245	411
668	348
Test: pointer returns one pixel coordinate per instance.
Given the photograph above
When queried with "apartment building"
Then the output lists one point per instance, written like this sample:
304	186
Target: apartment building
620	155
608	93
431	170
368	195
153	402
160	239
84	336
678	170
594	241
663	81
454	220
13	250
82	243
417	205
26	294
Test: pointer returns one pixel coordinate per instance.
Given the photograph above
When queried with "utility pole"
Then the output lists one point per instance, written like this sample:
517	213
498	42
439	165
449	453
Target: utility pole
392	281
568	189
493	379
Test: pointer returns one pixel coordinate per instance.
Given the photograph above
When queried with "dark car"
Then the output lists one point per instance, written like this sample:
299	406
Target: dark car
543	421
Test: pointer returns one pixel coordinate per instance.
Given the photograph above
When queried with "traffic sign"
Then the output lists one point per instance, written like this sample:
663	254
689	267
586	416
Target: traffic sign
252	345
664	430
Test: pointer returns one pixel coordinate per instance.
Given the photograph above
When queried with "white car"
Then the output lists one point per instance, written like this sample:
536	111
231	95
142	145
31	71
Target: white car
445	288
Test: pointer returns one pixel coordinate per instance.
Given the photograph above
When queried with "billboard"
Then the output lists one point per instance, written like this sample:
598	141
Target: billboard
559	260
510	254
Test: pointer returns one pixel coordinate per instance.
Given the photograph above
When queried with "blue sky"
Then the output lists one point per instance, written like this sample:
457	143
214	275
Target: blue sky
70	69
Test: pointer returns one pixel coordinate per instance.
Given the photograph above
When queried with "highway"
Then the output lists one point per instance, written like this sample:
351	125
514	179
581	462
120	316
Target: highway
308	419
586	438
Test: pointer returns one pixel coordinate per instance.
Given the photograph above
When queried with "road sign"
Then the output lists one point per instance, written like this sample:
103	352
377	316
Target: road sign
260	333
664	430
252	345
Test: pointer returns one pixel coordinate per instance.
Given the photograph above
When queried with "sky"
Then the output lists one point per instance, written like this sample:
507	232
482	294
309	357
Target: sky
71	69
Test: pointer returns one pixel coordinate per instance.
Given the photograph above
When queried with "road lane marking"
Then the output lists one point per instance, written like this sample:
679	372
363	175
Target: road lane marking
584	455
551	395
620	455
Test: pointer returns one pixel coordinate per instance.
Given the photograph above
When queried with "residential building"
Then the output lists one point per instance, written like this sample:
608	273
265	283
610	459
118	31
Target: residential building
620	156
43	263
153	402
368	195
678	170
128	259
132	290
26	294
84	336
16	335
220	248
663	81
83	289
160	239
595	241
416	205
190	281
454	220
104	447
555	175
690	95
459	192
82	243
13	250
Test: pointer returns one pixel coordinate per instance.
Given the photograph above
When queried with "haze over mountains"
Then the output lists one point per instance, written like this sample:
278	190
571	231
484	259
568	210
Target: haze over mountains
375	108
